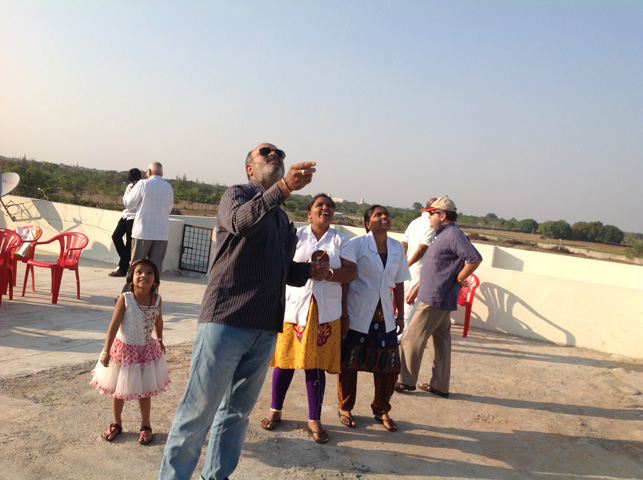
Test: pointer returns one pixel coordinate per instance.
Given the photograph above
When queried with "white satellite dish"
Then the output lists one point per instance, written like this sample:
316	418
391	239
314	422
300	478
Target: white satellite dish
9	182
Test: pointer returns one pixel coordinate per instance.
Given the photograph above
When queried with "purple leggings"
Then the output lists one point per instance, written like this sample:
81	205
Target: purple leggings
315	386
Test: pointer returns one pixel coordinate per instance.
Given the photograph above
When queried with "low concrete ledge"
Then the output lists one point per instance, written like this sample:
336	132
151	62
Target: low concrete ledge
543	296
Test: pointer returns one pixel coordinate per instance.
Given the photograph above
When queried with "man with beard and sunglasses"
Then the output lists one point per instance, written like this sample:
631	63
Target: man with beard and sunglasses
241	314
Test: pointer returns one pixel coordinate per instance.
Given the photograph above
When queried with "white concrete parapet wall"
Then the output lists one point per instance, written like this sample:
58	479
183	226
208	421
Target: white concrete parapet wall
96	223
544	296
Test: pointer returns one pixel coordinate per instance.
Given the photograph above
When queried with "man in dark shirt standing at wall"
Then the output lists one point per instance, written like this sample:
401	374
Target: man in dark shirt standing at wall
241	314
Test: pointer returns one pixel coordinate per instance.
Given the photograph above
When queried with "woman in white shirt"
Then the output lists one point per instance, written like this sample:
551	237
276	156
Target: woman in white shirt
370	343
312	330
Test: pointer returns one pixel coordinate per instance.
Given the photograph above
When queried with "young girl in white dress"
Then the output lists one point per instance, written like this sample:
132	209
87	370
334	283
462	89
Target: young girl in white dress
132	364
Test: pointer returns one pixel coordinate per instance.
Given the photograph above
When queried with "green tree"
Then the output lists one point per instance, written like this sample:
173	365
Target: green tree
417	206
510	224
637	248
587	231
612	234
527	225
558	229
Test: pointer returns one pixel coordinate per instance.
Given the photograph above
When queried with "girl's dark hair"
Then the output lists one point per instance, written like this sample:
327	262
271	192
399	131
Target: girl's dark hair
312	201
368	213
129	278
133	175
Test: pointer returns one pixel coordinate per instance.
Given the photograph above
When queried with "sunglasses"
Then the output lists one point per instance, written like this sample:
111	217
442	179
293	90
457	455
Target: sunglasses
265	151
434	211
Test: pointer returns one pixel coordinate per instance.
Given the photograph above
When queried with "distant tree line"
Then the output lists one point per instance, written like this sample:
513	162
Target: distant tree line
584	231
80	185
560	229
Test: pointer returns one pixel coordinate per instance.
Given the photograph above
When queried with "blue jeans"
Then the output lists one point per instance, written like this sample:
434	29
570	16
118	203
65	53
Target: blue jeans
229	365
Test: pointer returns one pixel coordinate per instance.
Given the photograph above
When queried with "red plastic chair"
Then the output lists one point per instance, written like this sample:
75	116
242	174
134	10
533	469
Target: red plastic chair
29	234
465	299
71	244
9	241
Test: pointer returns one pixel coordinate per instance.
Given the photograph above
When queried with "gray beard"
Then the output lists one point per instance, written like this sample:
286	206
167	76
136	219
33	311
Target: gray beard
269	175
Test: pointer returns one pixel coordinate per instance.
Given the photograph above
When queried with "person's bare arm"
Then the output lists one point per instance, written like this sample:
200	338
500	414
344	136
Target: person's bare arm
467	270
412	295
158	327
117	318
398	295
345	320
346	274
299	175
419	253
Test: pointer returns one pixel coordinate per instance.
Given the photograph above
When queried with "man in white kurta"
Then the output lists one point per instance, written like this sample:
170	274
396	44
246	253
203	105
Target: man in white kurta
152	199
417	238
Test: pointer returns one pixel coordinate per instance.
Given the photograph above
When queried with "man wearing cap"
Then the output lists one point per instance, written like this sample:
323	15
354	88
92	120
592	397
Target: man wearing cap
417	237
449	260
241	314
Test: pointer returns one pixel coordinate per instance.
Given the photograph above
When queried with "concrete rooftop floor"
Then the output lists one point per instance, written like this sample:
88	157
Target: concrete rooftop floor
36	335
518	409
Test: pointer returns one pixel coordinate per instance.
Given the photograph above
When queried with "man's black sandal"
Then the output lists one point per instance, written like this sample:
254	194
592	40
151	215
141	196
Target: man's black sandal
402	388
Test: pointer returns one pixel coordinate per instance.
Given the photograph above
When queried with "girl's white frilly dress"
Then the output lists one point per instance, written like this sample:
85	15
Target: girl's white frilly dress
137	367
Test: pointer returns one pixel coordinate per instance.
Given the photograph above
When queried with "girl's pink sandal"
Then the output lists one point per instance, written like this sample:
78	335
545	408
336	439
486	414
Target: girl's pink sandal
111	433
146	435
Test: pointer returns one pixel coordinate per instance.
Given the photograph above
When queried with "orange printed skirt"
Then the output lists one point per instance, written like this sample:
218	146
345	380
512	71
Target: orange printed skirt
309	346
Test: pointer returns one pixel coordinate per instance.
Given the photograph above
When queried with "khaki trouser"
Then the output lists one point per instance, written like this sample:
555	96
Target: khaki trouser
427	322
154	250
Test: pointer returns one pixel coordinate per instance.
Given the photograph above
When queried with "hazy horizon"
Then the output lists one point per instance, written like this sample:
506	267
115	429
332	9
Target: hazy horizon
343	199
530	109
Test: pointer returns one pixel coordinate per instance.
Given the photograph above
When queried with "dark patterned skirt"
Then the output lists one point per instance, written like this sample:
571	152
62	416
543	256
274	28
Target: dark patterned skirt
376	351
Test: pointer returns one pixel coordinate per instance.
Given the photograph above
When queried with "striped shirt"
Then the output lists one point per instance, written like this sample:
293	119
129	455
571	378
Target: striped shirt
256	244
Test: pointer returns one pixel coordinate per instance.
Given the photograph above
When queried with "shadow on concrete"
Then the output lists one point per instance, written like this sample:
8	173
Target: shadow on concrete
48	213
632	414
479	346
501	304
494	447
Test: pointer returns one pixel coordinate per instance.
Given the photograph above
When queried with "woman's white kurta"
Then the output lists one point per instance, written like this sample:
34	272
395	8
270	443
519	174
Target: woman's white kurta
374	281
328	294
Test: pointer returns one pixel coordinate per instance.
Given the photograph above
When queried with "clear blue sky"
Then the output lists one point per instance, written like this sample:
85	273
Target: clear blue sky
527	109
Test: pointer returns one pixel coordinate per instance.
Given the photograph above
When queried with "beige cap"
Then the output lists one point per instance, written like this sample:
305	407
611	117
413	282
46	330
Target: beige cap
443	203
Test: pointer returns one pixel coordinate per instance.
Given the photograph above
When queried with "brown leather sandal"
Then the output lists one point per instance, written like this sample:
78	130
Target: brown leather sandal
320	436
388	423
346	420
268	424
